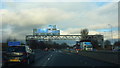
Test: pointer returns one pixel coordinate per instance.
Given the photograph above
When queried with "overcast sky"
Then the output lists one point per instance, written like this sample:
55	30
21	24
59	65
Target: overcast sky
19	17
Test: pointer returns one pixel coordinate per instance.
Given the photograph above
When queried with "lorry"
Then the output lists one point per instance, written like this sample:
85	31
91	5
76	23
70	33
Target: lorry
86	45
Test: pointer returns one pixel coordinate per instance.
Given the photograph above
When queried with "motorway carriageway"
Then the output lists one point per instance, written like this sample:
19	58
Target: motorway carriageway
59	58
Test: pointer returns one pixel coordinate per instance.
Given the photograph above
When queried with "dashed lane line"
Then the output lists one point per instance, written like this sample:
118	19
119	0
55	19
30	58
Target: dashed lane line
48	58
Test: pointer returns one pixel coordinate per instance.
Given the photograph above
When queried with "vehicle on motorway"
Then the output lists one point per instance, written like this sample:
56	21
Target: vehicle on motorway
77	46
83	45
46	49
86	45
19	54
117	48
89	47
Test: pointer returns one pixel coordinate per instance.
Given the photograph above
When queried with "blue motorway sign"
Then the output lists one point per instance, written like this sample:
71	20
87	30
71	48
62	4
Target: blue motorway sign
88	43
16	43
42	31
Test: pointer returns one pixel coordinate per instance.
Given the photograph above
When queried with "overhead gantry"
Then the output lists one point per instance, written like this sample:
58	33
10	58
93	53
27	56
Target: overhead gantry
99	38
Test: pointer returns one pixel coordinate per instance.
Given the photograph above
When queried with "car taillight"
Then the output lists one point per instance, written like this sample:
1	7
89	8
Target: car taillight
77	49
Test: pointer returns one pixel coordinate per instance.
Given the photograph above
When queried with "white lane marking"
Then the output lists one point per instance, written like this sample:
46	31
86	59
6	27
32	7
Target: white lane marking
48	58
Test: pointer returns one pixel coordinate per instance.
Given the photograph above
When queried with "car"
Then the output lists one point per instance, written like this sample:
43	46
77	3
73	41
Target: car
117	48
46	49
19	54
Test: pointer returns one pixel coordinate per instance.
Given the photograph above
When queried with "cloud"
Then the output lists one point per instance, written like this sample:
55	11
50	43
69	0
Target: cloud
73	31
76	31
93	32
100	17
60	0
23	22
35	16
70	18
63	32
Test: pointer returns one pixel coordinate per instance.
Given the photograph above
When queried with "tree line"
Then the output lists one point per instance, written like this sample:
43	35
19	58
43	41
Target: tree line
35	44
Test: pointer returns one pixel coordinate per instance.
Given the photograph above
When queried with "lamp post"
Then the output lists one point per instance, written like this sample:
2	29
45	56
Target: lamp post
111	34
105	35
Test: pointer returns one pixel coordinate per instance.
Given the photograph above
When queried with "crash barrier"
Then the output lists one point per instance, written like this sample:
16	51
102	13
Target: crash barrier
108	56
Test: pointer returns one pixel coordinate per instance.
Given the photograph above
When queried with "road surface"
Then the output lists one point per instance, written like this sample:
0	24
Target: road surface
60	58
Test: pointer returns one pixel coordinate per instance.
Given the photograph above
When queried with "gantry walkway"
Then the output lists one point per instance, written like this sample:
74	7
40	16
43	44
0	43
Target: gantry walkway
99	38
63	37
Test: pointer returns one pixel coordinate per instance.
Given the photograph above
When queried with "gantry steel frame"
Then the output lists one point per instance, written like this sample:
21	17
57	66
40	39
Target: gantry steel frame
100	38
53	37
62	37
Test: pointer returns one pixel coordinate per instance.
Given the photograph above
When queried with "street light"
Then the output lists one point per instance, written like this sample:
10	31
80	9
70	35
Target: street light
111	34
105	34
